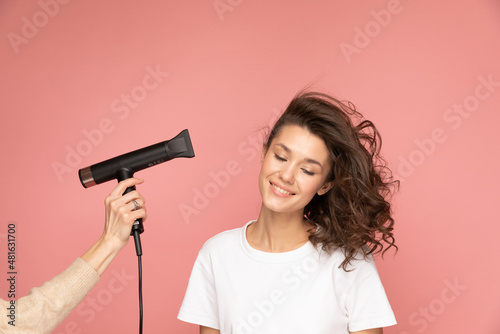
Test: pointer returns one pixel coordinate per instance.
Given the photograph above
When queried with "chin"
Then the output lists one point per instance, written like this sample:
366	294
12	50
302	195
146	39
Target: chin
272	207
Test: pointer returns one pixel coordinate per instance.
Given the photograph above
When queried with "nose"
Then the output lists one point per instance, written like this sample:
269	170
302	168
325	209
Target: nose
287	173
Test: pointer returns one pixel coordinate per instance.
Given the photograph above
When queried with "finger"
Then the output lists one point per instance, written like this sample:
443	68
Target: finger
140	213
114	203
135	204
123	185
128	217
133	195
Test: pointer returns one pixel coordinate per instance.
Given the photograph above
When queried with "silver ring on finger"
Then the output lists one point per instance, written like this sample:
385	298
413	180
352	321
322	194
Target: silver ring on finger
136	205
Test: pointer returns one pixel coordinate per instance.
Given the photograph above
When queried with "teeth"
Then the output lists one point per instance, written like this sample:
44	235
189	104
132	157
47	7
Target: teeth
280	190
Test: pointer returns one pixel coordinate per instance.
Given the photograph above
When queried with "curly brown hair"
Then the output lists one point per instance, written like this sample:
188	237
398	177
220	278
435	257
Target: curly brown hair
355	214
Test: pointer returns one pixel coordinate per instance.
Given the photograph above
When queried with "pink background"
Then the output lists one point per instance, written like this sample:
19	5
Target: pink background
419	69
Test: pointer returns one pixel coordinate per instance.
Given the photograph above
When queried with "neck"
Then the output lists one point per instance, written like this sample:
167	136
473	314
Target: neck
278	232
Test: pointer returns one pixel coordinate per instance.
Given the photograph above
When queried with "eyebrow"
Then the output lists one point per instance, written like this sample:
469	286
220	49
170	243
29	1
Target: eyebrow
309	160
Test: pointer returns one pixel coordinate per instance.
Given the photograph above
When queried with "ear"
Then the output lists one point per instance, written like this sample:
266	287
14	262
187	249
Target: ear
325	188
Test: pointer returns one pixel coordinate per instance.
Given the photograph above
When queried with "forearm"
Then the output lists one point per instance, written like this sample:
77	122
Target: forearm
102	253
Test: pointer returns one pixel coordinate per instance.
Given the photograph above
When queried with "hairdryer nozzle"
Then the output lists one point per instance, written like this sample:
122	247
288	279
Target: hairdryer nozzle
180	146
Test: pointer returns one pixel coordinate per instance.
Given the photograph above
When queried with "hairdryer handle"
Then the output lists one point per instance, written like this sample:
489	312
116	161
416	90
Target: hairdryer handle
138	226
123	174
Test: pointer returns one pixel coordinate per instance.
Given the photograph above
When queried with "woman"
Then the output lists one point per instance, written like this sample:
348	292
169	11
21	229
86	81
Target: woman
305	265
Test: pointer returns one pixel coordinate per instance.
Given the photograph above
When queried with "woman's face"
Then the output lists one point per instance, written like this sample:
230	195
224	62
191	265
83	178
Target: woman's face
293	170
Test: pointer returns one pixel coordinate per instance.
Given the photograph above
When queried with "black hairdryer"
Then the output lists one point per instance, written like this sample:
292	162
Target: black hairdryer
124	166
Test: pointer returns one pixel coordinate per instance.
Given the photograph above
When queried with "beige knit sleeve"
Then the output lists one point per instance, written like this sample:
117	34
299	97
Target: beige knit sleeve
46	307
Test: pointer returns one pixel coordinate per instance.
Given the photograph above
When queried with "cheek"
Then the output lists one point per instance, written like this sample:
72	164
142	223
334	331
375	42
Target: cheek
310	185
265	170
267	166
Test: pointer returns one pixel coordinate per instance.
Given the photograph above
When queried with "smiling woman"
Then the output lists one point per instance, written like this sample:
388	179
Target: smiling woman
306	264
355	214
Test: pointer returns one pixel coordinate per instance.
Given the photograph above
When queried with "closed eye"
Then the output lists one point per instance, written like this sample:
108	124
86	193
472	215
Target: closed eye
279	158
307	172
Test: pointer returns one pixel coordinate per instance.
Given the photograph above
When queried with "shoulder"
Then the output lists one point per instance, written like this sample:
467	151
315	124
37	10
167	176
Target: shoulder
359	279
337	256
360	268
223	240
362	263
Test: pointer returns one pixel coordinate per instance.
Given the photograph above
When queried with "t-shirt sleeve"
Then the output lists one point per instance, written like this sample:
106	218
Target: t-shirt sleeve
365	299
200	301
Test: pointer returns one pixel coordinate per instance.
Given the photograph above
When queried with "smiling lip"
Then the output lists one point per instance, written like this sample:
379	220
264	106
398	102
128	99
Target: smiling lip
279	191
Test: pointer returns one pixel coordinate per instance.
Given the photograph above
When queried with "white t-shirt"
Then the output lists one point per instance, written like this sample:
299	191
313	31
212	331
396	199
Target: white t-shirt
240	290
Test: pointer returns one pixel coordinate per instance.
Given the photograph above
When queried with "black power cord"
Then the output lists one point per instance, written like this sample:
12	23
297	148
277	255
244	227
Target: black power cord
138	250
140	295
